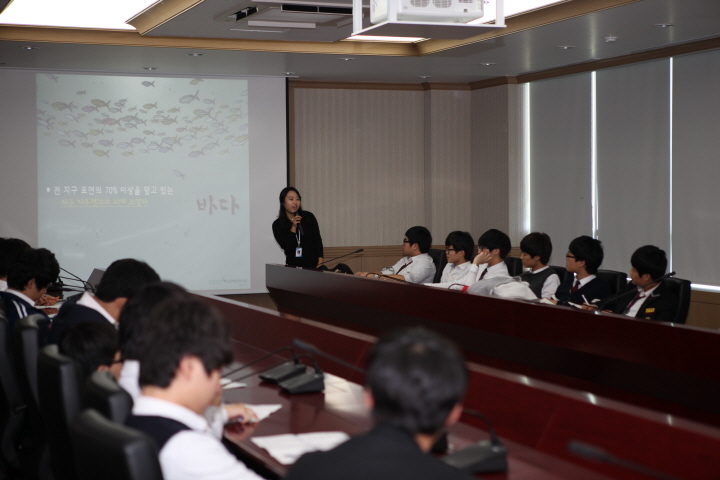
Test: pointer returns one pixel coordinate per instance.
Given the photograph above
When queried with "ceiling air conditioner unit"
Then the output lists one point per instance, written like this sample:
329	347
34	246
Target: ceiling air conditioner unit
427	11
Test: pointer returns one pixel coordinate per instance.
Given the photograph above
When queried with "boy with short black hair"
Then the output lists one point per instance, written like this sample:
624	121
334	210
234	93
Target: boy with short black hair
416	266
652	300
536	249
10	249
415	383
584	257
28	280
459	248
94	346
493	247
120	282
182	348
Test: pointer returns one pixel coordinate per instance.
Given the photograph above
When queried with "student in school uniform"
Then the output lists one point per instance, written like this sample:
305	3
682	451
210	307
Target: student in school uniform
536	249
652	300
584	257
459	253
493	247
416	266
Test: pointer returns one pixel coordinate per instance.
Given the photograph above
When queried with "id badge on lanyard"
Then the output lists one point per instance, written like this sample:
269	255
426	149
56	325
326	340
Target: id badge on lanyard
298	250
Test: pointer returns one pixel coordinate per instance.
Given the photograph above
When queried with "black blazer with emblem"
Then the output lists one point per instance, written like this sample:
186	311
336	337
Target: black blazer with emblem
661	305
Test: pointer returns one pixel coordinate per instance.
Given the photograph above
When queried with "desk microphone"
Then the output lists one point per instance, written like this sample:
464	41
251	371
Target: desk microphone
599	455
635	290
482	457
313	349
276	373
85	284
342	256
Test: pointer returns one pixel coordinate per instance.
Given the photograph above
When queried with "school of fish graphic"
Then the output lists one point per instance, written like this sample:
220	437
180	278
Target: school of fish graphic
112	129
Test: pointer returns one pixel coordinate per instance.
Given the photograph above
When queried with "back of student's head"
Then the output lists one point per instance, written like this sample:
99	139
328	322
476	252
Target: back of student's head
415	377
90	344
589	250
461	241
181	328
495	239
651	260
34	263
137	310
537	244
421	236
10	250
124	278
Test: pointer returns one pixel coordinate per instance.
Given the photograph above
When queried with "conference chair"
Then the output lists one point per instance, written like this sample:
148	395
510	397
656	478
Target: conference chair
13	404
681	288
103	394
110	451
617	281
440	260
59	381
560	271
26	348
514	266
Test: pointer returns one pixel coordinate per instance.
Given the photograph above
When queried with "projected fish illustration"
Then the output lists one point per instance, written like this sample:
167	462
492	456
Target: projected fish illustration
147	120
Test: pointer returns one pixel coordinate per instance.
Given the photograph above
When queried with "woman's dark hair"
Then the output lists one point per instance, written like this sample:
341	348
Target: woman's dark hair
137	310
283	193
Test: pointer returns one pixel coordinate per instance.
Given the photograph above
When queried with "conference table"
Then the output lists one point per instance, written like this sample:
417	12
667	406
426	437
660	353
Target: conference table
662	366
535	419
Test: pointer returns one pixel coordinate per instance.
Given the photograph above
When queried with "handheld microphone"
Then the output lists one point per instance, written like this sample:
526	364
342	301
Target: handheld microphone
599	455
342	256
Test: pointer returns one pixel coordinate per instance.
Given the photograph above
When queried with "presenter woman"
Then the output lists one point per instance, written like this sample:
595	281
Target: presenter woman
297	232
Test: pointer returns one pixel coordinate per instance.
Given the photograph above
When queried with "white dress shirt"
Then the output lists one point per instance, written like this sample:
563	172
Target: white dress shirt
194	454
88	300
551	284
417	269
216	417
453	273
3	285
474	272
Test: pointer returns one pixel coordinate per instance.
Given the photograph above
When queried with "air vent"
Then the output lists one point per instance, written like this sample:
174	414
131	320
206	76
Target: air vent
316	9
244	13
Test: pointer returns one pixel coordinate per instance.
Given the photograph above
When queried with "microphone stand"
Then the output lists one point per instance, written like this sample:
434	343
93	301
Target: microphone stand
341	256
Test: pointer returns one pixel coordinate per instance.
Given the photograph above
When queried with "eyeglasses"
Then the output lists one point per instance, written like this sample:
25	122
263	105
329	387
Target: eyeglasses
448	250
406	241
570	256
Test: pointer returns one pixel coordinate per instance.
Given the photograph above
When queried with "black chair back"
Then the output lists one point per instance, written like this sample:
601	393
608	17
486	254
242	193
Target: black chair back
108	450
560	271
13	404
59	390
440	260
682	289
514	266
103	394
617	281
27	349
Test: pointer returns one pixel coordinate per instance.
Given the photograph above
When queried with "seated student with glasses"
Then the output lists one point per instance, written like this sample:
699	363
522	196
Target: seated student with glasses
459	252
584	257
416	266
493	247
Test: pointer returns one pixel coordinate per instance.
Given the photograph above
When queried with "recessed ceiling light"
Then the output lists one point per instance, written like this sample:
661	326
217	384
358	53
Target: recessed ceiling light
424	76
28	47
149	68
375	38
347	59
663	25
610	39
195	54
288	73
566	47
487	64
